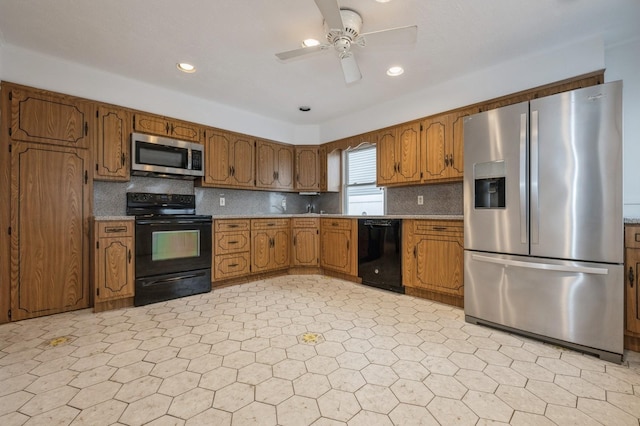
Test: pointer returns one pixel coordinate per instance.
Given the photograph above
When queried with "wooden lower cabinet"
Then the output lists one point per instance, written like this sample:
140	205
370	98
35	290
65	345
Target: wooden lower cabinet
305	250
51	201
632	292
114	270
338	245
231	248
433	259
270	246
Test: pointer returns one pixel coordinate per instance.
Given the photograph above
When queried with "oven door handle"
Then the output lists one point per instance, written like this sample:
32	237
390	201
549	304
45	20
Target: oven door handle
169	280
171	222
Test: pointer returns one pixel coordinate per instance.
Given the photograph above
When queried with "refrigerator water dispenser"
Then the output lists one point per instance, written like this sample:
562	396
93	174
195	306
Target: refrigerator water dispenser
490	185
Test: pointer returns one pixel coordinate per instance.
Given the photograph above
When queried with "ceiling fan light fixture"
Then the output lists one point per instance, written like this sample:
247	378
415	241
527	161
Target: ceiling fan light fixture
186	67
395	71
310	42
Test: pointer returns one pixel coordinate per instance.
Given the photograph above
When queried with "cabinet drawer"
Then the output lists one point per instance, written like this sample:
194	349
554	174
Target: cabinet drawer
304	222
231	225
270	223
114	228
231	242
438	228
230	265
336	223
632	236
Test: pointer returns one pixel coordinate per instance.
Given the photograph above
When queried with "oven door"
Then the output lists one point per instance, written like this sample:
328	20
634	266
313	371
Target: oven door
169	245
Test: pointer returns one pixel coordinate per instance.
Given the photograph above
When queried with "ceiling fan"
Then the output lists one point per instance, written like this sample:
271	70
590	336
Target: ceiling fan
342	28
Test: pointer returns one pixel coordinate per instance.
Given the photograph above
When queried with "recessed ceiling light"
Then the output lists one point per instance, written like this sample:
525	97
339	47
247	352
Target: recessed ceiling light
304	108
185	67
395	71
310	42
383	1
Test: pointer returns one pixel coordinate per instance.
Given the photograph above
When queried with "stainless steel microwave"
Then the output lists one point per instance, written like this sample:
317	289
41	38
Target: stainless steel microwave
164	157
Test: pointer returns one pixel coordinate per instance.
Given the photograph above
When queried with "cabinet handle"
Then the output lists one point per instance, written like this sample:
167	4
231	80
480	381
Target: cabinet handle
451	160
123	158
439	228
631	277
446	160
233	242
167	128
294	241
271	224
274	175
233	265
110	230
233	170
334	223
232	226
230	172
414	252
129	255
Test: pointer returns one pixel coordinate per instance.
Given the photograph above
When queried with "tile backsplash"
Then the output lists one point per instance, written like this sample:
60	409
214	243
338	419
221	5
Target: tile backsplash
110	199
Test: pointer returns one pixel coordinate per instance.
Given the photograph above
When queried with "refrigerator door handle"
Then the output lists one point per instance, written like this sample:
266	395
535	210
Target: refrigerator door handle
545	266
535	202
523	178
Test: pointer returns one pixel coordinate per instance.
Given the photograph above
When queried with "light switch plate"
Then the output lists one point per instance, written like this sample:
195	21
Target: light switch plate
222	202
420	200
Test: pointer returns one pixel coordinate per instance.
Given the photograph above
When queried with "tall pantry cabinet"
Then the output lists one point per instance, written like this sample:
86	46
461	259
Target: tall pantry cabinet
46	202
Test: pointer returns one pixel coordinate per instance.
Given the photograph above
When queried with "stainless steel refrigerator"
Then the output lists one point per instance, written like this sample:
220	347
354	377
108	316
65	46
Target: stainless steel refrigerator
543	225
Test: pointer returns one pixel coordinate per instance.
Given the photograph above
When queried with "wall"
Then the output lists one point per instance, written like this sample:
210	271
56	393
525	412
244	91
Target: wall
441	199
623	63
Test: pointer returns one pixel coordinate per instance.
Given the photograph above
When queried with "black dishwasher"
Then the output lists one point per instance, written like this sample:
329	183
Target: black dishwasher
379	253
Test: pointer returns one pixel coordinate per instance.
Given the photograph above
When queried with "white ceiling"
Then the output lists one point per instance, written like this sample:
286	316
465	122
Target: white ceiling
233	42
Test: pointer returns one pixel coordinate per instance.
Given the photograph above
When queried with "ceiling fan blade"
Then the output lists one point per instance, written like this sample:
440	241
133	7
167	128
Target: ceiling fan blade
398	35
331	13
290	54
350	68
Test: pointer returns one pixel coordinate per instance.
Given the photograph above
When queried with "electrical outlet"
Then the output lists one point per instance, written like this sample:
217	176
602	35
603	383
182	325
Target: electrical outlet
420	200
222	202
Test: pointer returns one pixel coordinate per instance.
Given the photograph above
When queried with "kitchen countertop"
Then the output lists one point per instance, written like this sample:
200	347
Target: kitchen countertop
316	215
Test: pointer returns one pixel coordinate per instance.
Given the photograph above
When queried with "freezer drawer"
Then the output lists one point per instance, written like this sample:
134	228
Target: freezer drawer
578	303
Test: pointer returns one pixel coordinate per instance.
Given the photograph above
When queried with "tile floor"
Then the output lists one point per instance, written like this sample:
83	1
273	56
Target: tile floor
299	350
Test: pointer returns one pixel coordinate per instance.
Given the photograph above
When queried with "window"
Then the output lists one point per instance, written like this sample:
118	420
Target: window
361	196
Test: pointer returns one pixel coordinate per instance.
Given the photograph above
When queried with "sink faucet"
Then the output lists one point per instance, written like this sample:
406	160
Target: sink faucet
309	208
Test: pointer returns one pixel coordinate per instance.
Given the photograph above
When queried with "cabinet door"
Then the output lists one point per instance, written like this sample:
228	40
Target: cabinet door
456	144
408	154
307	173
265	165
242	152
153	124
435	147
115	274
185	131
284	167
632	268
50	209
335	249
112	144
261	242
438	265
217	168
305	247
38	116
386	162
280	248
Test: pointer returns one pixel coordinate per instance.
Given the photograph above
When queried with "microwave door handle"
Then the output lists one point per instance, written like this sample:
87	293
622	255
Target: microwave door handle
189	159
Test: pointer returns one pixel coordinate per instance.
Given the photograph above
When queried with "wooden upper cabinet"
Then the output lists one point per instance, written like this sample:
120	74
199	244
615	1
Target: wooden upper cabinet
398	155
229	160
307	168
443	146
45	117
112	148
169	127
274	165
